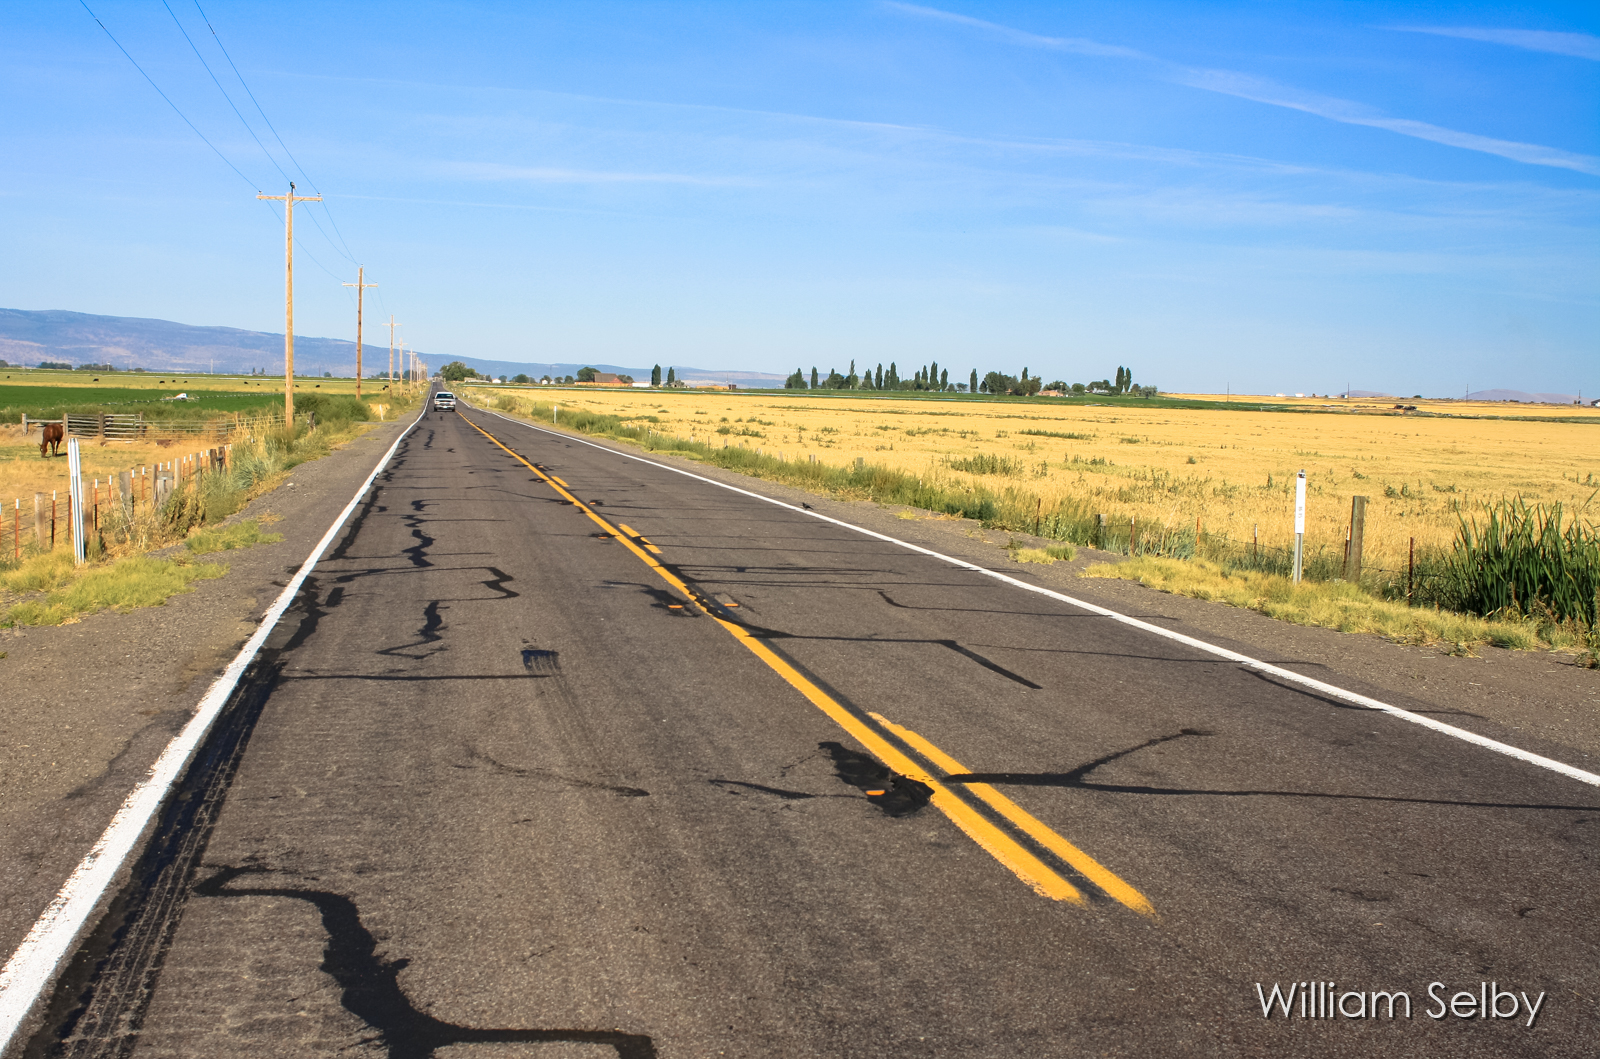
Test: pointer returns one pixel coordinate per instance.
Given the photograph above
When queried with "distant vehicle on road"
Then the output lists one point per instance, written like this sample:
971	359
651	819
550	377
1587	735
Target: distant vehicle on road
444	401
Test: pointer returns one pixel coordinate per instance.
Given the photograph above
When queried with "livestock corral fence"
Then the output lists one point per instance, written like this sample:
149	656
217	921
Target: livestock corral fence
119	496
116	426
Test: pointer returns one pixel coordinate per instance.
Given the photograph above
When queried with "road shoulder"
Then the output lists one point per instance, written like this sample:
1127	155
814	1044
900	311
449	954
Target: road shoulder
91	704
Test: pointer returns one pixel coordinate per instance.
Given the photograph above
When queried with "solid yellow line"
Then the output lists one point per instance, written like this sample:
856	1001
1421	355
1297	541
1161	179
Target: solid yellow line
1092	869
553	478
1002	847
997	843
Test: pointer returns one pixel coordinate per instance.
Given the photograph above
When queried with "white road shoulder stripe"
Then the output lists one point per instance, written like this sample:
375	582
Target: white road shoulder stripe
1570	771
32	967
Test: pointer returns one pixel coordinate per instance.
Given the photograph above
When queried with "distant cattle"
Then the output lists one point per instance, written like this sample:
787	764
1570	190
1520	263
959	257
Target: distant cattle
53	434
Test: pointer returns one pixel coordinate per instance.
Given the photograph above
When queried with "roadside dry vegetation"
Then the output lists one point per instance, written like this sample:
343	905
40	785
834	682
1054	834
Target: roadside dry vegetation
44	588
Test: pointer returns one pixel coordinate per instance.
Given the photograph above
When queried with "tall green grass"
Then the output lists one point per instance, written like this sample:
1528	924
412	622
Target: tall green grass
1522	559
985	464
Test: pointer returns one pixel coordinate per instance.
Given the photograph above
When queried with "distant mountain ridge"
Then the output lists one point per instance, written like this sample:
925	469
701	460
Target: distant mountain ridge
29	336
1526	398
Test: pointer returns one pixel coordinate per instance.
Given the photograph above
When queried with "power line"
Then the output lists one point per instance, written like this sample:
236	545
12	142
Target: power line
192	47
259	110
224	91
301	244
202	135
170	103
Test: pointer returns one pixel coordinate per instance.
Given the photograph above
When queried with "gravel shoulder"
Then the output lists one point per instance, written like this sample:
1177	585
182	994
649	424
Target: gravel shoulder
89	706
1539	701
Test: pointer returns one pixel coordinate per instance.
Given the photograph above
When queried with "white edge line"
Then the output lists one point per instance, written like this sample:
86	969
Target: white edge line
32	967
1570	771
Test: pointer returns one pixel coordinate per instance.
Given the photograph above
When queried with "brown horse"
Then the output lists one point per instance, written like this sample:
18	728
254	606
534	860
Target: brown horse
53	433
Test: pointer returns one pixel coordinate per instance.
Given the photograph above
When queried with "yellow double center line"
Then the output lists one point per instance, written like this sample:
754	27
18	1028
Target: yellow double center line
1008	851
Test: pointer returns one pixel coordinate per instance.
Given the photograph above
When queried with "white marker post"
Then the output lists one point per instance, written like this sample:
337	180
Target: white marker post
75	501
1299	522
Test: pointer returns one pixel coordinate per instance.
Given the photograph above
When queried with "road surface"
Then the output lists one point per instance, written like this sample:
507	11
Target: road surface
565	754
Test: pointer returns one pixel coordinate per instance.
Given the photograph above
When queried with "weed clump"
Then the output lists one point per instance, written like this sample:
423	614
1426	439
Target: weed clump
227	538
1522	560
985	464
137	581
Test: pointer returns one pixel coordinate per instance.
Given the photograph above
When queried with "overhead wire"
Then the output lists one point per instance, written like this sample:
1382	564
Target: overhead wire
170	103
225	159
271	206
217	39
224	91
287	178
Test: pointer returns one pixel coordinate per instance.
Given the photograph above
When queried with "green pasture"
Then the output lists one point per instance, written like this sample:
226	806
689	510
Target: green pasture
52	402
50	395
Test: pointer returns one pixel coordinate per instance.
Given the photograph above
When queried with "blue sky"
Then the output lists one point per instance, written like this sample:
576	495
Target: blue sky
1282	196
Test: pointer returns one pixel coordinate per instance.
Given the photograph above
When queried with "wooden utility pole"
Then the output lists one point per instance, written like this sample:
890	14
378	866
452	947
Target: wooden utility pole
391	352
288	296
360	285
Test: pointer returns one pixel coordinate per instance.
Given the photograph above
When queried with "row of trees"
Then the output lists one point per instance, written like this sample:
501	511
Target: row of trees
931	377
935	378
456	371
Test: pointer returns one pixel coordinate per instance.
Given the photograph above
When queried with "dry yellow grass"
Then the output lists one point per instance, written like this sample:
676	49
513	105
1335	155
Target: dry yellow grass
1232	469
23	472
1335	606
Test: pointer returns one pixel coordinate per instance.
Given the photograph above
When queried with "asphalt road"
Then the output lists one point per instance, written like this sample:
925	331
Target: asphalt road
590	758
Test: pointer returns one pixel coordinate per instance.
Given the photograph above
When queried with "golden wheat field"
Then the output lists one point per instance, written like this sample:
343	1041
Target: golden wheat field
1232	469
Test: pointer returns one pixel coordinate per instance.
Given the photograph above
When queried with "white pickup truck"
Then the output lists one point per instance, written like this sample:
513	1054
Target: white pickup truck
444	401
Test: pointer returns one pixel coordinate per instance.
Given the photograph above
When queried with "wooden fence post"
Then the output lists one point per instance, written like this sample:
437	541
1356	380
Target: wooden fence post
1358	526
1099	531
38	519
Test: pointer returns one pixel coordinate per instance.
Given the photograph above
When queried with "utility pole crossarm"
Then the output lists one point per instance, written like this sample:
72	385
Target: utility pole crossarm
288	296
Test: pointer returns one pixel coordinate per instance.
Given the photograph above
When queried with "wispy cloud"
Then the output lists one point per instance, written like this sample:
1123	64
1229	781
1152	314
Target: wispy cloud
1076	45
1261	90
1580	45
545	175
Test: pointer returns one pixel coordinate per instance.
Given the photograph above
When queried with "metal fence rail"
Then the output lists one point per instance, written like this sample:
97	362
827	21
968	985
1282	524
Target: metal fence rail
114	426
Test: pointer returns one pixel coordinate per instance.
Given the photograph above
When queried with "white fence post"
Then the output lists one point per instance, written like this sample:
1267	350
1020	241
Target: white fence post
75	492
1299	523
